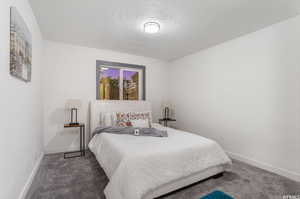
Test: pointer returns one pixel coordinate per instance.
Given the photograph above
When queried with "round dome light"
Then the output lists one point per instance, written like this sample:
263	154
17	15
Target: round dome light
151	27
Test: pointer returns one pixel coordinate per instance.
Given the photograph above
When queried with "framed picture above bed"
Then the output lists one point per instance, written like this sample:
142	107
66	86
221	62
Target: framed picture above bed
120	81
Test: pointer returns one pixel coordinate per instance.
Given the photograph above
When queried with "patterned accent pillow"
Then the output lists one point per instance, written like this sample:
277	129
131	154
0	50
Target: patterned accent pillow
124	119
136	116
139	116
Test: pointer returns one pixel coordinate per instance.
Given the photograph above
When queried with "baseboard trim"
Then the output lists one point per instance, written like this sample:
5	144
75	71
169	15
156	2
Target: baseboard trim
283	172
61	150
31	177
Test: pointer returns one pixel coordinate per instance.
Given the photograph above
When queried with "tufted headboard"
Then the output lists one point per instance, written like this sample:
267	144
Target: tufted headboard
114	106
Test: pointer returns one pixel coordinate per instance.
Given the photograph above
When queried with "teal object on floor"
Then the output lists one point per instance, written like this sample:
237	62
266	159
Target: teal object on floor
217	195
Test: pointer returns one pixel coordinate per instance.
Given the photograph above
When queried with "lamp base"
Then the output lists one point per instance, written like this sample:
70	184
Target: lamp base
74	121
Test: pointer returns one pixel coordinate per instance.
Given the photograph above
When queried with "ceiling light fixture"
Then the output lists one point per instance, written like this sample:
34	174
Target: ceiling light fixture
151	27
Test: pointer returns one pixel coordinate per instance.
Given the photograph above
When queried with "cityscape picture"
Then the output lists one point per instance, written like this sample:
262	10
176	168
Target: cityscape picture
20	47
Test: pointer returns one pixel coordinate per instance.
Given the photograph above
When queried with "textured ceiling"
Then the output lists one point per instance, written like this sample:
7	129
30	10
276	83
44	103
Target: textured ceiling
186	25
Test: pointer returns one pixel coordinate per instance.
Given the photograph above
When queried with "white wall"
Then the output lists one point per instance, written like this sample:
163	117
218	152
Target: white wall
245	94
70	73
21	142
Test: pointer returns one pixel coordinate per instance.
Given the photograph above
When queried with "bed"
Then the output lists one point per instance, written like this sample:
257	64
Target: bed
147	167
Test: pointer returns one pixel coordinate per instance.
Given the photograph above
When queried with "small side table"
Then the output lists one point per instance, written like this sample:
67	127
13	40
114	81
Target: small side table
81	152
166	120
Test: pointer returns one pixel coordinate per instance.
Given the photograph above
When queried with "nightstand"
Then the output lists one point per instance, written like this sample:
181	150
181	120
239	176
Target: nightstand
166	120
81	151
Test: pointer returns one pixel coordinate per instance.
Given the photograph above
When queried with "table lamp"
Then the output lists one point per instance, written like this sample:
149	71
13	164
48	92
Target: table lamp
73	105
166	105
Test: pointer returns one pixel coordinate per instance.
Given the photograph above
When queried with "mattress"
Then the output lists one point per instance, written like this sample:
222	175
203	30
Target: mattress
144	167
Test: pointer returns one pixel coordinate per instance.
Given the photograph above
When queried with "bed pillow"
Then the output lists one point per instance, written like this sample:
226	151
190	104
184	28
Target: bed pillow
123	119
127	118
140	123
107	119
141	119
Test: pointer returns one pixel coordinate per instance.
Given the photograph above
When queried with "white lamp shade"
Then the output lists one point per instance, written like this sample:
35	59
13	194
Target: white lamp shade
73	103
167	103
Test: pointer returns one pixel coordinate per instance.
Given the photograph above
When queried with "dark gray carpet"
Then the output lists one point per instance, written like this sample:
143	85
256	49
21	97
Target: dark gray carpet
83	178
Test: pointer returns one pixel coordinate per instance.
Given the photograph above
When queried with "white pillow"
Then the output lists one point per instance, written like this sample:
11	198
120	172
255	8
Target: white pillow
113	118
107	119
140	123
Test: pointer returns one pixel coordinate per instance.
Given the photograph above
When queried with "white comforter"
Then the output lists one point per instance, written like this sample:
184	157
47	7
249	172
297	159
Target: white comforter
137	165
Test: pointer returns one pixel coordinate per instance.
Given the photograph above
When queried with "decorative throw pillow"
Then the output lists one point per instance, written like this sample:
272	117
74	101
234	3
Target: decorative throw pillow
140	123
139	115
126	119
141	119
123	119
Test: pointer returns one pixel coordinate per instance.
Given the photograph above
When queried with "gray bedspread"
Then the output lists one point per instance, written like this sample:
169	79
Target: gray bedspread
153	132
